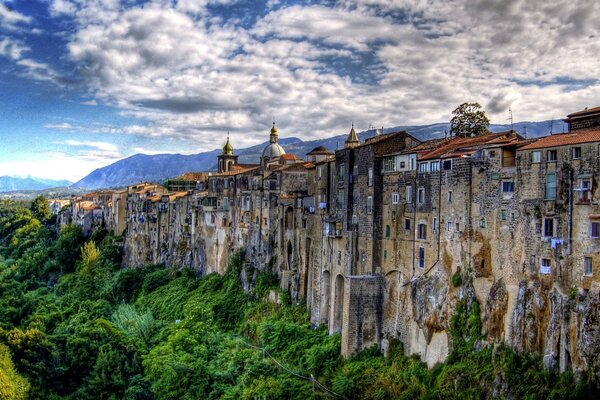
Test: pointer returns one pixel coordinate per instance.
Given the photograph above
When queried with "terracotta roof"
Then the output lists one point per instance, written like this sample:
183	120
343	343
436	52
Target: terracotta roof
564	139
193	176
584	112
453	144
291	157
240	168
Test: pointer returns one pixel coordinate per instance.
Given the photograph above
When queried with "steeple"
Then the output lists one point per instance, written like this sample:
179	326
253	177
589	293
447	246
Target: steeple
227	159
352	140
228	148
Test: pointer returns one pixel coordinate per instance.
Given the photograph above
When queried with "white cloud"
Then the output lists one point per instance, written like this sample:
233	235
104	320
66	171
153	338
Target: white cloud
104	146
10	18
314	69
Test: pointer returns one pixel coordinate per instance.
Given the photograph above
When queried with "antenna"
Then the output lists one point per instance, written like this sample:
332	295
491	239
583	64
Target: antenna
510	118
525	133
551	124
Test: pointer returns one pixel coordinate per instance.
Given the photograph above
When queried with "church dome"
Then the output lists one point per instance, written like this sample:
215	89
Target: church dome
273	150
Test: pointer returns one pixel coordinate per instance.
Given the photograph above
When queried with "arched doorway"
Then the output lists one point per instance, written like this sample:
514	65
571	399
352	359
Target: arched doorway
338	311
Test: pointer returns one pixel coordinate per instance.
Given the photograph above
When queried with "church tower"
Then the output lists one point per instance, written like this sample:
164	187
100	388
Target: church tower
273	149
352	140
227	159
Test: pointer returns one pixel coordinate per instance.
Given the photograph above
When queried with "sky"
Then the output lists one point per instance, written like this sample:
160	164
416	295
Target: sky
84	83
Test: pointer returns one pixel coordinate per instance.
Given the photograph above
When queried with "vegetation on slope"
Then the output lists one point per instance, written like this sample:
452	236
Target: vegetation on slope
74	325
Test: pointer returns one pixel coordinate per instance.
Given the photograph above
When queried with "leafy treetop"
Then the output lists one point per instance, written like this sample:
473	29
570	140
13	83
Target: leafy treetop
469	120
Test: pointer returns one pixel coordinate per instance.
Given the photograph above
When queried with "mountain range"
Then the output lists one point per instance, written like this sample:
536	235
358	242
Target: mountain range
156	168
14	183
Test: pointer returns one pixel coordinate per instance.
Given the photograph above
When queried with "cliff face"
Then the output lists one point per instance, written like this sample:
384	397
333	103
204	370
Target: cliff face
380	252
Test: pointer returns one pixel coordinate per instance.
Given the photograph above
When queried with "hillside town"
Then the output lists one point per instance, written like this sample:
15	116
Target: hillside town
380	238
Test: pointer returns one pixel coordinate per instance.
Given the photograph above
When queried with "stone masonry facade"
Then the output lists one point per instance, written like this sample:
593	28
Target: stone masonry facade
371	235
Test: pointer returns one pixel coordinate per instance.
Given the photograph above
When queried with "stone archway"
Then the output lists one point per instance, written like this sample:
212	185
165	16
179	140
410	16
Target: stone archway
338	310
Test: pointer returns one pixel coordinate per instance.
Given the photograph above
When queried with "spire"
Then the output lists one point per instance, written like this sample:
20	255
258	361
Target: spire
352	139
228	148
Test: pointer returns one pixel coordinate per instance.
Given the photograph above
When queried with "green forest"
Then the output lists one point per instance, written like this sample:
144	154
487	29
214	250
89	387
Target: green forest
75	324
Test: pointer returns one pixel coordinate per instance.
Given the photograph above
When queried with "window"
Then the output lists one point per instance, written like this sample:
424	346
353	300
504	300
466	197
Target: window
355	172
584	190
395	198
508	187
402	164
503	214
595	231
545	266
449	226
447	165
341	172
423	167
340	200
421	257
536	156
587	266
389	164
407	224
354	219
409	194
422	233
551	155
387	231
492	154
370	205
548	227
421	196
483	223
434	166
457	226
370	177
434	225
385	254
319	172
551	186
449	196
576	153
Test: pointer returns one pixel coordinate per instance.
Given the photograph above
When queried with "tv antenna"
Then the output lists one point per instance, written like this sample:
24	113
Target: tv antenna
510	118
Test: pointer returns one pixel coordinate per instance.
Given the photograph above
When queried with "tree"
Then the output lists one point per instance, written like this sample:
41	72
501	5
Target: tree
41	208
469	120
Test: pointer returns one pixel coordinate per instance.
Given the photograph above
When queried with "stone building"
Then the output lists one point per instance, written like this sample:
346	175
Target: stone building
372	235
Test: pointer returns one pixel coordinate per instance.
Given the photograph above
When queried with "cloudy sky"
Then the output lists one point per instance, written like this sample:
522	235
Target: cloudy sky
87	82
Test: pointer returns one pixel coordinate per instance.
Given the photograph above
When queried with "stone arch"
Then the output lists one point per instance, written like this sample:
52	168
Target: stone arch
338	311
289	218
325	298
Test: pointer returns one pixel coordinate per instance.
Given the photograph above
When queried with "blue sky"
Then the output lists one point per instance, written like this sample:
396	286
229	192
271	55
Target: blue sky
87	82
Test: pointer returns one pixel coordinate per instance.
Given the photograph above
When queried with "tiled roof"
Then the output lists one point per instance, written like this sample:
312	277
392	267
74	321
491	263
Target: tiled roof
453	144
289	157
584	112
193	176
320	150
564	139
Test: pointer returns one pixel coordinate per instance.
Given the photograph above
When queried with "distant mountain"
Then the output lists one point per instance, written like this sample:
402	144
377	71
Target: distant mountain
13	183
157	168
